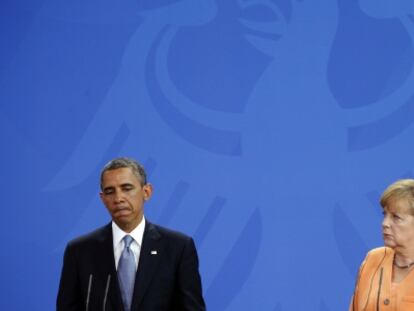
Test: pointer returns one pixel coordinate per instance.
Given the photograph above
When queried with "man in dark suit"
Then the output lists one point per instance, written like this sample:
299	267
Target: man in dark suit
129	264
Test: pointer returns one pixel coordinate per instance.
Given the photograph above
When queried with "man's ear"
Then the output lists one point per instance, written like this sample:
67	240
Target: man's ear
147	188
102	196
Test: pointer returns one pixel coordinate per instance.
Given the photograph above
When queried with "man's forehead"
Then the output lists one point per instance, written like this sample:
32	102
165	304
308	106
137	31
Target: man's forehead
118	171
123	175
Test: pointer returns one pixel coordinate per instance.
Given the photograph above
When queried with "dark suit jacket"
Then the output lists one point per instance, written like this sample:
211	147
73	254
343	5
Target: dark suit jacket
167	277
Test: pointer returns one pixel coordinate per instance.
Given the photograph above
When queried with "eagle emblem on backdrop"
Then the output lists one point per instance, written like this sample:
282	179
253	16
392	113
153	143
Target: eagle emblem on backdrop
249	126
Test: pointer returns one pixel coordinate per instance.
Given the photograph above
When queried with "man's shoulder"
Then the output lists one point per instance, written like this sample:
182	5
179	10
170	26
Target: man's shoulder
167	233
92	237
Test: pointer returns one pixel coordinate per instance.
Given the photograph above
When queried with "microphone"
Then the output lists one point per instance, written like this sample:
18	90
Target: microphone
89	291
108	281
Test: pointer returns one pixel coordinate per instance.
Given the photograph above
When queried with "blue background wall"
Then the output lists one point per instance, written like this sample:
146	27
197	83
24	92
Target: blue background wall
269	129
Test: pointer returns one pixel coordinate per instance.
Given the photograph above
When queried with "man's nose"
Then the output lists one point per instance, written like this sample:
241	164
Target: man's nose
118	197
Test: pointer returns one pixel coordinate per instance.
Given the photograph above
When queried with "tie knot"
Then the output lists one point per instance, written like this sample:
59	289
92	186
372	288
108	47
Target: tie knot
128	240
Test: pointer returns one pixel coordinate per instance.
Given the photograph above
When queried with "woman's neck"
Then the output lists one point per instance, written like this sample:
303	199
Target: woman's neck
404	257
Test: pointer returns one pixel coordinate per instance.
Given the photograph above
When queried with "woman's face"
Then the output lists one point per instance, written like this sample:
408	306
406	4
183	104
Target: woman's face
398	225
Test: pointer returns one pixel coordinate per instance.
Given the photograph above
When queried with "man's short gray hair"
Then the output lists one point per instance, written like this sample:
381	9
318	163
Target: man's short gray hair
136	168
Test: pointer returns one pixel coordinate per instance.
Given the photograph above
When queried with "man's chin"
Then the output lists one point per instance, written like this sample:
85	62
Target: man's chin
123	219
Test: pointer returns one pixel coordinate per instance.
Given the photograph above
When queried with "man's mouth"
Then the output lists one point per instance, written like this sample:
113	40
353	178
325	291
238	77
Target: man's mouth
123	211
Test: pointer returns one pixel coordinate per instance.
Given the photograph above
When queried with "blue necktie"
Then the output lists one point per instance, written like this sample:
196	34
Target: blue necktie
126	273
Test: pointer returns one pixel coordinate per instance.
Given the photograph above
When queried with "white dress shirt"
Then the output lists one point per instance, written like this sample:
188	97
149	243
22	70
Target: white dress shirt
117	236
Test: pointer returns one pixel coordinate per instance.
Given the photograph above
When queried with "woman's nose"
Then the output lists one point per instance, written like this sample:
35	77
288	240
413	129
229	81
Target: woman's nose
385	222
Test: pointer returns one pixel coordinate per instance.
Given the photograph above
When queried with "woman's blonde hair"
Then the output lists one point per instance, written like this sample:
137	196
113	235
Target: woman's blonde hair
401	189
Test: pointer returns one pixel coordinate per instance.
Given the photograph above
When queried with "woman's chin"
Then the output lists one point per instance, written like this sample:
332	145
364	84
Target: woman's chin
389	243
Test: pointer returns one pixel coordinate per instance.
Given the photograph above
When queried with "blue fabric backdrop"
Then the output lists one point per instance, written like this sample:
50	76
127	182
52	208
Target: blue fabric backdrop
269	129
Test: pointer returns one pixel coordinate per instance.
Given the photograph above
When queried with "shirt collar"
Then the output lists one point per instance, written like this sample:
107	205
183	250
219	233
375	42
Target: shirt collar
137	234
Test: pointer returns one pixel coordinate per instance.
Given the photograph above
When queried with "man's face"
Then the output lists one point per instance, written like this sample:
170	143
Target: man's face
398	225
124	197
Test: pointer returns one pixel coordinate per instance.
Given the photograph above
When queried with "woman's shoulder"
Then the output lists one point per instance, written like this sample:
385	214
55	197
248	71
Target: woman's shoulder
378	254
379	251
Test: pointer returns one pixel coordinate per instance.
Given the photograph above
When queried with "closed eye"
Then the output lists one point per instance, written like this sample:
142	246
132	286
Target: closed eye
127	187
108	191
397	217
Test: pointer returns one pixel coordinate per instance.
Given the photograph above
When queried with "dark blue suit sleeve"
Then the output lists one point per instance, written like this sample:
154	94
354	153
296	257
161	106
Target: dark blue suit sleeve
189	289
69	296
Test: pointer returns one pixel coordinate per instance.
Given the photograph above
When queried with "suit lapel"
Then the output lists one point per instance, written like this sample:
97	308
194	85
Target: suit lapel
148	262
107	262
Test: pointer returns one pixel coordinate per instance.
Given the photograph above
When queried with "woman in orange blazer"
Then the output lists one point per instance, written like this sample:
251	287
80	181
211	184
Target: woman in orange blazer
386	277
